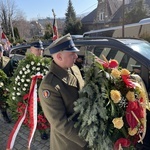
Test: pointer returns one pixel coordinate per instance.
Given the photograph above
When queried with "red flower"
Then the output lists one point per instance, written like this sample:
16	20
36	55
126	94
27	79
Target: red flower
113	64
122	142
136	108
107	64
110	64
128	81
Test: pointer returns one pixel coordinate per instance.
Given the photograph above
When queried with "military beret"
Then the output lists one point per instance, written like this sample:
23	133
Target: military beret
37	44
65	43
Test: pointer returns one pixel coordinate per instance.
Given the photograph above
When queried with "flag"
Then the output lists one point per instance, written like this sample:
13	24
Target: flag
4	37
55	29
5	40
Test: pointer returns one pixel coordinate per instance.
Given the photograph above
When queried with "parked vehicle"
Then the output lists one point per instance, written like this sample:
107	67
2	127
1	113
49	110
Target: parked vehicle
135	30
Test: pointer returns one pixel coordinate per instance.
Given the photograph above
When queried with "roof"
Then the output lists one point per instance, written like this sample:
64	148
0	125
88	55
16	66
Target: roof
90	17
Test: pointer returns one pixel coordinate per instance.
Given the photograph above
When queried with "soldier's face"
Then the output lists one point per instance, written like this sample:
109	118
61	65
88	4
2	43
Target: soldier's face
36	51
68	58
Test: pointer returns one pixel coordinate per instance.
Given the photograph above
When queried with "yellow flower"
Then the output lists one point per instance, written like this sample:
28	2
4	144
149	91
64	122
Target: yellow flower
133	131
130	96
115	96
115	73
125	72
118	123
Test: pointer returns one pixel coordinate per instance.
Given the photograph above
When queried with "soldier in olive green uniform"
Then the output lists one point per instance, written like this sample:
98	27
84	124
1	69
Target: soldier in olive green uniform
58	91
5	65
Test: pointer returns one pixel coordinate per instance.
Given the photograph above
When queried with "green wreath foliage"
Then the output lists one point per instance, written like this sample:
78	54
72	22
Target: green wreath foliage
3	89
20	86
96	109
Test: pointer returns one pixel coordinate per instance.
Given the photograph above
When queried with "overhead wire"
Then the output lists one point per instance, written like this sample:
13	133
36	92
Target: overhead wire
88	8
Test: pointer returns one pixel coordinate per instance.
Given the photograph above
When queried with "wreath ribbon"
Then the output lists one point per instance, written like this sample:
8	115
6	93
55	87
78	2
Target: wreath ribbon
32	107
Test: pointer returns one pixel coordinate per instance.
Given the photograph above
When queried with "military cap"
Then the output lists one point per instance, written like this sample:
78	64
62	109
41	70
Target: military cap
37	44
64	43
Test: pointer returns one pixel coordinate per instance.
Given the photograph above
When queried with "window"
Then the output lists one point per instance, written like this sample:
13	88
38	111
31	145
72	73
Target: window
101	16
124	60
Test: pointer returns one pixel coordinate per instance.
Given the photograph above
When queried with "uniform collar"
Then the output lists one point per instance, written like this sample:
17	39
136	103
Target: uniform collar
63	74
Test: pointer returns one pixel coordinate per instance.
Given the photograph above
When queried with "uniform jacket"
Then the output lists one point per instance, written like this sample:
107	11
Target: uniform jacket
62	90
5	65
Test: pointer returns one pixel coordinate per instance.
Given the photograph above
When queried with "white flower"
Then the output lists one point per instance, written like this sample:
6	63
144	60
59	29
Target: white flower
32	62
28	70
28	80
13	98
27	66
20	72
1	84
22	80
25	72
13	93
14	88
45	70
33	68
38	64
24	89
23	68
18	89
26	85
43	64
23	76
38	68
18	93
18	83
18	77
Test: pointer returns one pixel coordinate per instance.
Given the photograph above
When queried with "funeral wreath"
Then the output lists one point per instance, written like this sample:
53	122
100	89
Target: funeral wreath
20	88
111	108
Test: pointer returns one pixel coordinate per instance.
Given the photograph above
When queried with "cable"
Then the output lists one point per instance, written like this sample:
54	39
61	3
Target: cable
88	8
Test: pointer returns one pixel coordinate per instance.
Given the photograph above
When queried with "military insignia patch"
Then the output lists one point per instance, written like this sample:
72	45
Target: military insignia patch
46	93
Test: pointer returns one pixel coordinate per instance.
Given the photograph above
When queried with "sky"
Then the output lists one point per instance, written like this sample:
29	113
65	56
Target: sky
35	9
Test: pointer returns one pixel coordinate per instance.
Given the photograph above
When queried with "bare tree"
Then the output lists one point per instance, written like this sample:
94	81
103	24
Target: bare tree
22	24
11	16
6	14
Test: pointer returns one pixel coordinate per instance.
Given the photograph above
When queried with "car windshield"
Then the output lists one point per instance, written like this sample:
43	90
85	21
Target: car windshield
143	48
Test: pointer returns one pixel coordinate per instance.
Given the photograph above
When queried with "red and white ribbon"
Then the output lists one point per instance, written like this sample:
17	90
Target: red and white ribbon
32	106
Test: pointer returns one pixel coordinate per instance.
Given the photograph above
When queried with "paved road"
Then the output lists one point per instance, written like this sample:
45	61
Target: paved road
21	139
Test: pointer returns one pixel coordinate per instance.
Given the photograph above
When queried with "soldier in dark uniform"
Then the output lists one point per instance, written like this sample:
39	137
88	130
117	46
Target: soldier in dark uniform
5	65
58	91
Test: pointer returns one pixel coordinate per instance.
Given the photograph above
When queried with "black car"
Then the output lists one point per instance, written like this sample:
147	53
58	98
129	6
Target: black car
132	54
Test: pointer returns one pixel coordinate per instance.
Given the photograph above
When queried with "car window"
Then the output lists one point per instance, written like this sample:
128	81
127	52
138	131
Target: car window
124	60
20	51
142	48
